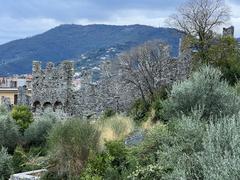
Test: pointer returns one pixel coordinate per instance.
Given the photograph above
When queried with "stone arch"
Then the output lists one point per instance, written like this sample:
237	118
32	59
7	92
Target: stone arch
47	106
58	106
36	106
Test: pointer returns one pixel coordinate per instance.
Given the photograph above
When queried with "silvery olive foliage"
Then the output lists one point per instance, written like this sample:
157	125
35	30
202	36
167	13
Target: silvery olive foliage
9	131
203	89
220	158
5	164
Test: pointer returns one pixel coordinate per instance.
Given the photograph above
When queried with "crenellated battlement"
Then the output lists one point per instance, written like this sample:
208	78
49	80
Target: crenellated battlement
36	67
53	86
65	67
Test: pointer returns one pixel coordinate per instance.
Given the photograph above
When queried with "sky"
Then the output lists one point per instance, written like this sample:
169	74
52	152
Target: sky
25	18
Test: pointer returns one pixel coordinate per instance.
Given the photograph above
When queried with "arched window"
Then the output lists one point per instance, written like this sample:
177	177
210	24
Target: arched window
36	106
58	106
47	106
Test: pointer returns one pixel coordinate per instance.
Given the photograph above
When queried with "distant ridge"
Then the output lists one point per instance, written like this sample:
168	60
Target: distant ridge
87	45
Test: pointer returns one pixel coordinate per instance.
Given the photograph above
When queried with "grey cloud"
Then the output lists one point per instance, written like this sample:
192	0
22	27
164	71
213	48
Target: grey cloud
73	9
21	18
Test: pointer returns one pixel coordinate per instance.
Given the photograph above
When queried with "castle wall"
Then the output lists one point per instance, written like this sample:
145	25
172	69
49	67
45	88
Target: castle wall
51	87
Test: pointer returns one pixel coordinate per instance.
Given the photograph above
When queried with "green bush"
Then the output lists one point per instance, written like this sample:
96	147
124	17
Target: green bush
19	158
157	103
70	144
96	166
237	87
36	133
113	163
6	168
118	151
225	54
3	110
159	110
203	89
23	116
9	132
148	172
139	111
27	161
220	158
161	93
166	146
108	113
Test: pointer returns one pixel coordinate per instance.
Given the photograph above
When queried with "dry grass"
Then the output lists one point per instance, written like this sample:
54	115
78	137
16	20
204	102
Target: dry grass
114	128
149	123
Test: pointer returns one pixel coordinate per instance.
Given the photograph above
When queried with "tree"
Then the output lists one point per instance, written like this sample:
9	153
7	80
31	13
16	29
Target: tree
142	67
198	19
23	116
203	89
225	54
9	132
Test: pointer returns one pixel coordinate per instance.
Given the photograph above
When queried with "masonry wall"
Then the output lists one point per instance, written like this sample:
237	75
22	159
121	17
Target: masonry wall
51	87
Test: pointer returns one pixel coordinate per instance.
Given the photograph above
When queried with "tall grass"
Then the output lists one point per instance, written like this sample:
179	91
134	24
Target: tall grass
114	128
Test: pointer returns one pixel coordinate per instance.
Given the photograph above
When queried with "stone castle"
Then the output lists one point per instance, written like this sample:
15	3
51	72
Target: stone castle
52	87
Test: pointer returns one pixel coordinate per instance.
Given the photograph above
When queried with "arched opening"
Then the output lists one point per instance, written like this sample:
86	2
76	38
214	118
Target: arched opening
47	106
58	106
36	106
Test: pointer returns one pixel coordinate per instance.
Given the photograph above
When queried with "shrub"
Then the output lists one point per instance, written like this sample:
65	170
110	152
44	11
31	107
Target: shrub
3	110
118	151
148	172
166	146
23	116
6	168
19	158
237	87
139	111
108	113
217	157
119	163
9	133
110	164
220	158
96	166
159	110
70	143
27	161
37	132
226	55
205	89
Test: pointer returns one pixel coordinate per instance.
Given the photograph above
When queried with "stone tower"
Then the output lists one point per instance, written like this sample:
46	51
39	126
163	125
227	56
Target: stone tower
228	31
51	87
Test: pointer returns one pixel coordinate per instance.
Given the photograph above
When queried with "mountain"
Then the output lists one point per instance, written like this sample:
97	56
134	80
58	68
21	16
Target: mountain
87	45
